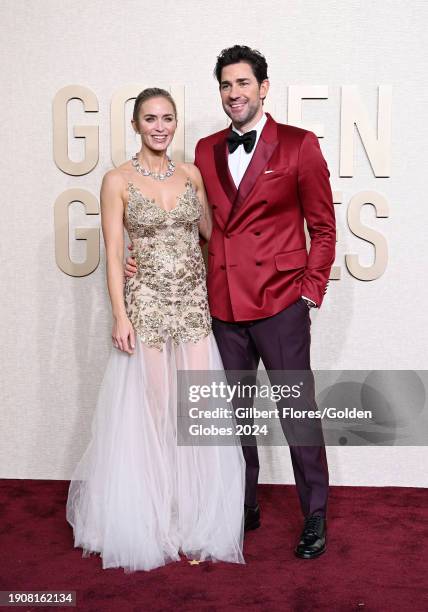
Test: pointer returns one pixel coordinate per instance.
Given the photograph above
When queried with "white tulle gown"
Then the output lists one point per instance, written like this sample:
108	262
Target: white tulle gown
136	497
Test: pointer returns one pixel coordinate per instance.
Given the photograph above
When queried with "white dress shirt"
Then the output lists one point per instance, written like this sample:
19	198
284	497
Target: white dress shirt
239	160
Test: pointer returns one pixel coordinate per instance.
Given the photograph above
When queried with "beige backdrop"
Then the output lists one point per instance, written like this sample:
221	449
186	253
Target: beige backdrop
56	328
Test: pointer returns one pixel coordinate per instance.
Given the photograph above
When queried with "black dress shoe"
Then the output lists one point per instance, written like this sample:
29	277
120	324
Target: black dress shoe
312	540
251	517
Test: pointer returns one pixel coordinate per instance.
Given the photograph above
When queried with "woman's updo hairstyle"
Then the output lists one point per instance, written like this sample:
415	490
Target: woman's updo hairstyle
152	92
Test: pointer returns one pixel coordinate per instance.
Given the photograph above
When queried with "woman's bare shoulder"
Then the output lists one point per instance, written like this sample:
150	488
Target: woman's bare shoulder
191	170
117	178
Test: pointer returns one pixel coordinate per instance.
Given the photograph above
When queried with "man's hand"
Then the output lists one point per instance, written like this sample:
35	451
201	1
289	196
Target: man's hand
130	265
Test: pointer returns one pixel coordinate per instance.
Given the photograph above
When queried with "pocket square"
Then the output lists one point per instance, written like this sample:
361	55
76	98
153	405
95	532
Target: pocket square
280	170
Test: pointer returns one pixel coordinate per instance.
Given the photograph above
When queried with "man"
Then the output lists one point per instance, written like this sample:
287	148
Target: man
263	179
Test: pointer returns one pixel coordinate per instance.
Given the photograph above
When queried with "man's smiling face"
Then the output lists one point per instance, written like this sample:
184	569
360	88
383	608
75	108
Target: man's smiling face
241	95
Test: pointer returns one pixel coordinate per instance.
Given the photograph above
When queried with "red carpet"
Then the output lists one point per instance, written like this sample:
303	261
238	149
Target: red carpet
377	557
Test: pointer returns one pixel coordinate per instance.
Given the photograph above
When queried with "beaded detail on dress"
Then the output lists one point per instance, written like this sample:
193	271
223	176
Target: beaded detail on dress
167	296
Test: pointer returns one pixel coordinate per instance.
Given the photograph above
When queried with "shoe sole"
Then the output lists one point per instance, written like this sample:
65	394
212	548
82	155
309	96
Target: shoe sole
313	556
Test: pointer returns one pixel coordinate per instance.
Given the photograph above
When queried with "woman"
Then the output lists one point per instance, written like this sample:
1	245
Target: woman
136	497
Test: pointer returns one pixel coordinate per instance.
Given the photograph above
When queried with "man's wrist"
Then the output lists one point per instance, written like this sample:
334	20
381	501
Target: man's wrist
309	303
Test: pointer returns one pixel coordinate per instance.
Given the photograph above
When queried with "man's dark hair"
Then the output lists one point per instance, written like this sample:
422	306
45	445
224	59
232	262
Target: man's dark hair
242	53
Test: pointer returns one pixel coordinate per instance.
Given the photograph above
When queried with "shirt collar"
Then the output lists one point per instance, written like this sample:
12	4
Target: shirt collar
258	127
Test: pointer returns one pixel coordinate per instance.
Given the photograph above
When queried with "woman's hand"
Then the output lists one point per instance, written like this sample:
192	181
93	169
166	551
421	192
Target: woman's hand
123	335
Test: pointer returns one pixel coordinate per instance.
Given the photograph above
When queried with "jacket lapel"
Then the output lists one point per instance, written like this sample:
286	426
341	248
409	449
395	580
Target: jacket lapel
224	177
266	145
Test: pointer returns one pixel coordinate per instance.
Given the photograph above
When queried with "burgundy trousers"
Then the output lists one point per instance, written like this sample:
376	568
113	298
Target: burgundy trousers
283	343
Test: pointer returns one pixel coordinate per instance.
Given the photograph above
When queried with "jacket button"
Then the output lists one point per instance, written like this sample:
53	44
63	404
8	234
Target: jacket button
258	263
214	206
222	267
263	202
257	233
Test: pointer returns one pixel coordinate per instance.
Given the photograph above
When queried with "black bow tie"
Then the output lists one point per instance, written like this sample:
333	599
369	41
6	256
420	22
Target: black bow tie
248	140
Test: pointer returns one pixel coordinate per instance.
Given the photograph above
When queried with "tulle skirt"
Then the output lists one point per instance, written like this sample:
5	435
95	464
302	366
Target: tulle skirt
136	497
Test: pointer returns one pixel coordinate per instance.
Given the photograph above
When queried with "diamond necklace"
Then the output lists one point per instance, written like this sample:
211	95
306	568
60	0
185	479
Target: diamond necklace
158	176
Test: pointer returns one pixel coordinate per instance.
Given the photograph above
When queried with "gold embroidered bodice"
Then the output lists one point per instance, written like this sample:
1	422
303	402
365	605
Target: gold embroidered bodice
167	297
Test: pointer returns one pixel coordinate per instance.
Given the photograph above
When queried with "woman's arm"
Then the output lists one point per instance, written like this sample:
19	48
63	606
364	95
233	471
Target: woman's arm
112	226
